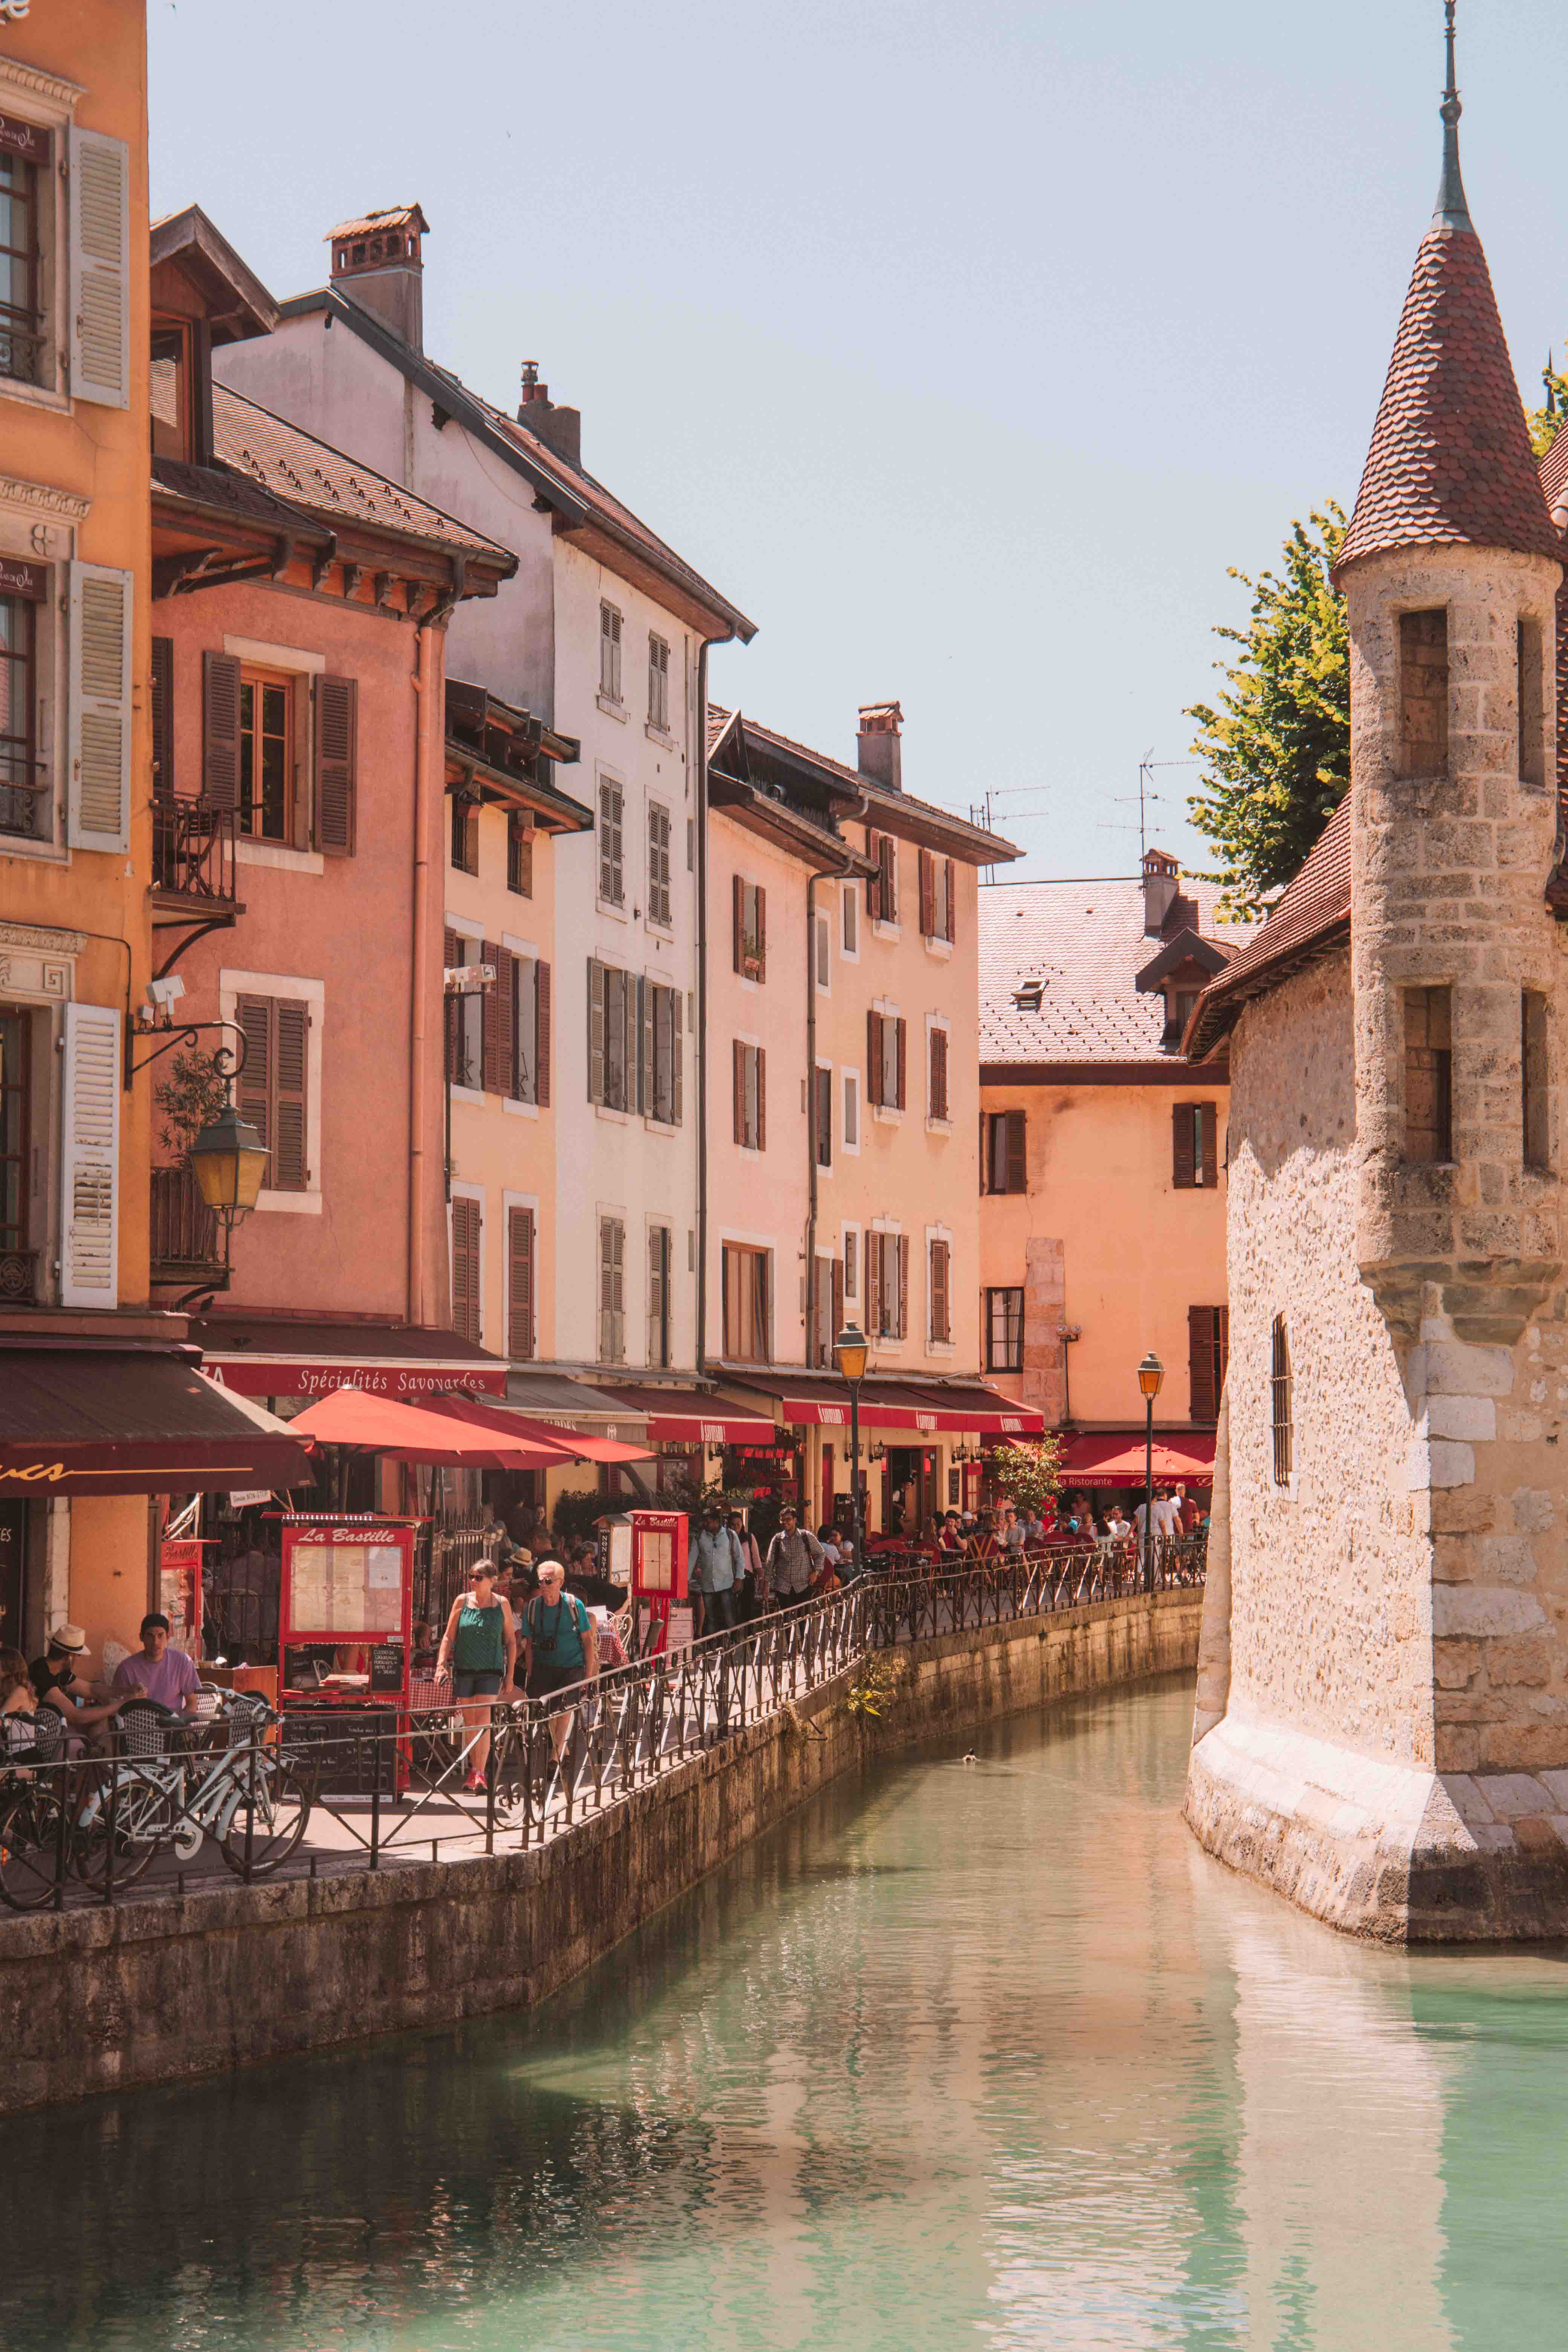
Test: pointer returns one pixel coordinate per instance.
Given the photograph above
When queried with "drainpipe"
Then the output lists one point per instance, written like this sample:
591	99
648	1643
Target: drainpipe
701	747
428	714
818	873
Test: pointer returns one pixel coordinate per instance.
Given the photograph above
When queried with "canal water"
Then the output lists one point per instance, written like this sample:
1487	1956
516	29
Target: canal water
972	2053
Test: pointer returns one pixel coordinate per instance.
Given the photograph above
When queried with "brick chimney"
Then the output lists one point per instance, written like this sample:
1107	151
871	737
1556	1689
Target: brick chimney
559	429
880	745
376	261
1162	880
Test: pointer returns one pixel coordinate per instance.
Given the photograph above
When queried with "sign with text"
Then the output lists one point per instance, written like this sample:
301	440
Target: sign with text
271	1377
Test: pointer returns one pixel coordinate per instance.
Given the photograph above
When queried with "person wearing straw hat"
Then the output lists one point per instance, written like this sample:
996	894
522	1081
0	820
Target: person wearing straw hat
57	1684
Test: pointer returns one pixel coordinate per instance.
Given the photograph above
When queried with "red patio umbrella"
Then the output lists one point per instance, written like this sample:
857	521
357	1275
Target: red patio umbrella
409	1433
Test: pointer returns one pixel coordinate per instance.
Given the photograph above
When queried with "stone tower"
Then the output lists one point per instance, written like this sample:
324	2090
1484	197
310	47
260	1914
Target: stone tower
1394	1747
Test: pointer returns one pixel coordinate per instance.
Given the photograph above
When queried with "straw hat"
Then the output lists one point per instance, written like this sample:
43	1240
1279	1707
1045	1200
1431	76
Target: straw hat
70	1638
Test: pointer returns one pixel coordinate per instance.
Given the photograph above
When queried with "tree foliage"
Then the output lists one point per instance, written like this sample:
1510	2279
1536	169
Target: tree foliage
188	1100
1546	422
1277	750
1029	1474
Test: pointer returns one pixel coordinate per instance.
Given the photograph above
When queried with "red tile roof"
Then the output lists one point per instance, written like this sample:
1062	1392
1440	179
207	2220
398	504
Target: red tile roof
389	217
883	806
1450	462
1313	909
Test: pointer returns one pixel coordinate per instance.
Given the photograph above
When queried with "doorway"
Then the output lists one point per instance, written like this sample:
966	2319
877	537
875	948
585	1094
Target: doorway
909	1490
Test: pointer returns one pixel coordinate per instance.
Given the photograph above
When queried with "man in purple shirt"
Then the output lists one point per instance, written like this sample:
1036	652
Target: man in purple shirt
166	1675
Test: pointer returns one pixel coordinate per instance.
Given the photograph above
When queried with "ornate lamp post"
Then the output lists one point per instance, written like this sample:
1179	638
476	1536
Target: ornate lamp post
850	1350
1150	1373
229	1160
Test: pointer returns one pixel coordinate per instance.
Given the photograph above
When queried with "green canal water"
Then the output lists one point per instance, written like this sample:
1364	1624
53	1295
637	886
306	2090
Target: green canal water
977	2054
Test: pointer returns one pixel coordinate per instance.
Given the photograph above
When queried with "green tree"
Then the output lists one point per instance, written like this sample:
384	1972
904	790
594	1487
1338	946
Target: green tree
1026	1474
188	1100
1547	421
1277	750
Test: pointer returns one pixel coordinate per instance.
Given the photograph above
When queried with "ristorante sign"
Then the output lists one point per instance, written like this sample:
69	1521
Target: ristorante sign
266	1376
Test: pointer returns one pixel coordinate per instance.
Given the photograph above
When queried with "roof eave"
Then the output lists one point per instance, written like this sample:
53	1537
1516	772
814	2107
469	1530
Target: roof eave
1214	1014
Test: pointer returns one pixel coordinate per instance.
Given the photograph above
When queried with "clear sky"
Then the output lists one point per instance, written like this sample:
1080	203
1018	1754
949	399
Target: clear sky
965	347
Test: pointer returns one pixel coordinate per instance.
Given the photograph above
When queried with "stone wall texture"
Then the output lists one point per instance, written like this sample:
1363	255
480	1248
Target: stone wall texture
157	1991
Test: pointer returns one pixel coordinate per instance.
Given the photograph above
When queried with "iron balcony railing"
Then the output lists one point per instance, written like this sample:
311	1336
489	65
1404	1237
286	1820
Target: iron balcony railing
185	1245
194	851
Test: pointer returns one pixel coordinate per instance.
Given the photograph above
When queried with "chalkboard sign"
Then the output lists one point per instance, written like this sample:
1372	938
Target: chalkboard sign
386	1666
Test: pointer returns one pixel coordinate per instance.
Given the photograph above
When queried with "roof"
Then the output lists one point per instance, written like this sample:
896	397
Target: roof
1450	462
1313	910
241	305
1085	940
882	805
389	217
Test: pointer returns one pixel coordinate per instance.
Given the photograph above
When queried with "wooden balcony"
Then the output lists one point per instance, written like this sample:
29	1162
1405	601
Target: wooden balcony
187	1245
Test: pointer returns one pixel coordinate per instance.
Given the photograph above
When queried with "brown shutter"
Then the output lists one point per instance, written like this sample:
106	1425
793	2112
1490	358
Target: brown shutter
291	1152
220	729
873	881
504	1006
466	1317
874	1285
541	1033
984	1126
938	1105
761	1098
449	1007
837	1310
762	932
519	1283
1200	1361
738	913
902	1032
903	1286
952	900
738	1072
940	1328
253	1087
1182	1174
1018	1171
927	895
595	1030
337	749
873	1058
1211	1136
163	718
676	1050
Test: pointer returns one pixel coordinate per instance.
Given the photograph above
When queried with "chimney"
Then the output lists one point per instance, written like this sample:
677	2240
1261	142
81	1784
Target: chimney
1160	884
559	429
880	746
375	260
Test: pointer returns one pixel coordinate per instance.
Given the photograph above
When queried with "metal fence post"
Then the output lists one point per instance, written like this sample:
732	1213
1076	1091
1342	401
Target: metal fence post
374	1805
113	1829
250	1795
62	1808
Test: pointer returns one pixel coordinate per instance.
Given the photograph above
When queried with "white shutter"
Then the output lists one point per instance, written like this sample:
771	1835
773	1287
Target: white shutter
97	737
100	293
90	1164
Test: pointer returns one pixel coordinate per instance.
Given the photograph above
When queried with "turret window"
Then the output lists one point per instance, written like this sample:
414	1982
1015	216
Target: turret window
1531	713
1282	1405
1532	1060
1428	1075
1423	693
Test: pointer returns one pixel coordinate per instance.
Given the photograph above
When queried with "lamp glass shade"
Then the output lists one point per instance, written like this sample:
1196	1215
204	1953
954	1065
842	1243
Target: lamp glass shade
851	1349
230	1160
1150	1373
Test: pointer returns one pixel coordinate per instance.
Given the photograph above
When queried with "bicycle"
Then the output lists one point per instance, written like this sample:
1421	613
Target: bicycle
251	1801
30	1810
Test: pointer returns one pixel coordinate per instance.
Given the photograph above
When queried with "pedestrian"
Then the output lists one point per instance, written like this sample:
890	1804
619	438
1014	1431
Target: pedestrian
560	1645
1187	1505
750	1591
712	1565
795	1557
479	1646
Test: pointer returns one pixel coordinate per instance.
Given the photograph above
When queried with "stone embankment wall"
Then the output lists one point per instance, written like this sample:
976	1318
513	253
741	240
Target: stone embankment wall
159	1990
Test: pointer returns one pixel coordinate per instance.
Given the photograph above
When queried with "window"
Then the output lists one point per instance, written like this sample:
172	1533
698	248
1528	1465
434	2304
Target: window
659	1264
936	1075
612	867
1194	1146
174	391
1428	1075
747	1288
851	1129
822	1137
271	1088
21	339
885	1060
887	1285
938	1289
823	974
936	896
1209	1354
1179	1003
1423	693
659	684
1533	1075
266	755
612	1290
523	983
614	1035
14	1172
748	912
1002	1162
609	653
520	853
662	1089
826	1312
22	804
1005	1330
465	1055
883	887
1531	716
751	1068
468	1238
1281	1406
658	903
851	1262
520	1284
465	834
851	929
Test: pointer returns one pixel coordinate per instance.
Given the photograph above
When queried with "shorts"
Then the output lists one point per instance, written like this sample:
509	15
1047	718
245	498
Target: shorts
475	1686
545	1681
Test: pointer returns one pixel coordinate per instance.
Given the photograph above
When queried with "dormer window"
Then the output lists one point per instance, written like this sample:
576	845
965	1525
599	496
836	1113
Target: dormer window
1028	996
174	391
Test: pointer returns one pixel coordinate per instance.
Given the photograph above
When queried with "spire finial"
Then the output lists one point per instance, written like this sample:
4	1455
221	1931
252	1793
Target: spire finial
1452	209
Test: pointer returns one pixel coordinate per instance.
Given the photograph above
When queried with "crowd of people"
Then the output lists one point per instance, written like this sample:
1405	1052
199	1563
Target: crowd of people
89	1706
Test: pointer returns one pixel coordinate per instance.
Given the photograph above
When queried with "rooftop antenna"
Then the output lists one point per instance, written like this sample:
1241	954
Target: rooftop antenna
1451	208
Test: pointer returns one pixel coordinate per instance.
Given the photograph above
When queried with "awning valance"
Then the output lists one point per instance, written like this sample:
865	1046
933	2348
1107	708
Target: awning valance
91	1421
263	1357
821	1401
565	1444
696	1417
1115	1457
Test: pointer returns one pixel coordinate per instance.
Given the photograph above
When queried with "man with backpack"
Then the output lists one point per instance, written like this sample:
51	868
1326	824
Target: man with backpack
560	1645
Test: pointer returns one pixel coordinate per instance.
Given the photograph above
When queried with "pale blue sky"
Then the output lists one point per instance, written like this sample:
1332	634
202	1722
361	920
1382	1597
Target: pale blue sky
964	347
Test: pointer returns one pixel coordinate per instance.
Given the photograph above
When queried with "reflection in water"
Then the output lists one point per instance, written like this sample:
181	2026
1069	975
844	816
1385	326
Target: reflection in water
991	2055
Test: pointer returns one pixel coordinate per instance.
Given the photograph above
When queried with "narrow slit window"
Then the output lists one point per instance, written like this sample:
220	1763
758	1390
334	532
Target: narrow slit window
1424	693
1532	1058
1282	1405
1428	1075
1531	712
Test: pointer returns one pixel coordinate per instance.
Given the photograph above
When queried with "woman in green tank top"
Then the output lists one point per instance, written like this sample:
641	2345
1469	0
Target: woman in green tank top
479	1646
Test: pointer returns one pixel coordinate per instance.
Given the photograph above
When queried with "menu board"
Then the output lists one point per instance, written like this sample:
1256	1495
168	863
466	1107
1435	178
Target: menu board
657	1560
345	1587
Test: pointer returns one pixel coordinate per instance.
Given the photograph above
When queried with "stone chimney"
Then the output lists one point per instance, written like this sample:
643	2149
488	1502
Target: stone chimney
880	745
559	429
1162	880
376	261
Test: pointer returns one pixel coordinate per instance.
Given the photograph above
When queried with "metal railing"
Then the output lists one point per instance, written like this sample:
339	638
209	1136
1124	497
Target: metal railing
391	1787
193	850
184	1231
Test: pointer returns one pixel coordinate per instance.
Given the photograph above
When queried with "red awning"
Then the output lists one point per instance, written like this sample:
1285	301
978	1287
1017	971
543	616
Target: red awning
695	1417
1114	1457
259	1357
89	1420
566	1444
822	1402
971	1410
409	1434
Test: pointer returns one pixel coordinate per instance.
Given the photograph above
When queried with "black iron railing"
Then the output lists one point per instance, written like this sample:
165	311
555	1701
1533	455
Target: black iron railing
185	1244
193	851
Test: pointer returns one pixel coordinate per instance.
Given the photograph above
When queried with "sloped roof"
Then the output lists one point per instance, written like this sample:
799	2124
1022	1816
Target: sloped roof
389	217
883	806
1313	909
1085	940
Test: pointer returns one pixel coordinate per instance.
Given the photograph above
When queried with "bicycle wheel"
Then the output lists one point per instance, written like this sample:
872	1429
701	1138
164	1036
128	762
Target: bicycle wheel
29	1848
145	1819
282	1809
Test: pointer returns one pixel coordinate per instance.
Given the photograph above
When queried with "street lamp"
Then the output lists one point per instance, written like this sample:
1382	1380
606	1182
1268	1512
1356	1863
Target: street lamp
851	1349
229	1160
1150	1373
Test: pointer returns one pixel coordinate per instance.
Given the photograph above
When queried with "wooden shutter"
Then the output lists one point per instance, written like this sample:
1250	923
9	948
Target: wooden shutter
644	992
738	917
927	895
737	1070
874	1285
89	1167
253	1087
984	1155
1017	1175
761	1098
97	736
595	1030
902	1027
762	971
1211	1134
873	1058
940	1327
939	1074
290	1148
519	1283
451	1006
675	1047
99	296
163	718
1200	1361
465	1231
220	729
903	1286
337	755
1182	1157
952	933
542	1035
873	881
503	1004
887	853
